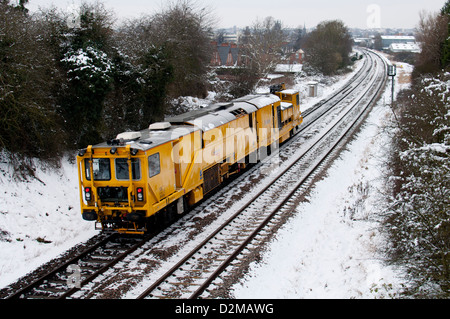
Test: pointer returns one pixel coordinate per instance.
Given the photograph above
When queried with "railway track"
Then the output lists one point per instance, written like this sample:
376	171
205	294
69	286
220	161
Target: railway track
203	265
63	281
199	268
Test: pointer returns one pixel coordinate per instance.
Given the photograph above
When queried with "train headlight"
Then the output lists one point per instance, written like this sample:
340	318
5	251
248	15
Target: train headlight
88	194
140	194
113	150
134	151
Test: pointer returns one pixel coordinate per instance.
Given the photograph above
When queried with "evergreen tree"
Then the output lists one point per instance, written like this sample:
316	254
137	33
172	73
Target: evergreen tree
329	47
157	72
139	93
87	63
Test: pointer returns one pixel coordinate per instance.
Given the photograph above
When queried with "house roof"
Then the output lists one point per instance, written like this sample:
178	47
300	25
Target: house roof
225	50
398	37
405	47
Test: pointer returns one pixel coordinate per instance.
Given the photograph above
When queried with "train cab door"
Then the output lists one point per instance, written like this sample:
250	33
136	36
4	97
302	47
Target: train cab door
161	172
276	124
253	141
178	151
187	160
276	113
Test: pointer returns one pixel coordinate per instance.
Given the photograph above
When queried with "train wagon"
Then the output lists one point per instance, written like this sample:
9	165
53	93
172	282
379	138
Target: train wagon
139	179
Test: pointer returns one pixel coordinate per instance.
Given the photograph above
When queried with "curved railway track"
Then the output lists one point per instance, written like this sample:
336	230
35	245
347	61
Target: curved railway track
199	268
196	271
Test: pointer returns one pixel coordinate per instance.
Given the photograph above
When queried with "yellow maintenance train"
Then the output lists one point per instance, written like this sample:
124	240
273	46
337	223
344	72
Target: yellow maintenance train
141	178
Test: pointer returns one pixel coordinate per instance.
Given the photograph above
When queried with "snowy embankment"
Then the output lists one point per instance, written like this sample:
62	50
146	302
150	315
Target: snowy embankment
39	218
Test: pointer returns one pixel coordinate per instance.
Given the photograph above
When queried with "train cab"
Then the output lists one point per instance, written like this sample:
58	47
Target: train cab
291	116
125	181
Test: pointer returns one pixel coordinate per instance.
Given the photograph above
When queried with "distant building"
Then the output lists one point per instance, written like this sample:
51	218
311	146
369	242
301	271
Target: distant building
231	38
226	54
289	68
297	57
387	40
405	47
363	42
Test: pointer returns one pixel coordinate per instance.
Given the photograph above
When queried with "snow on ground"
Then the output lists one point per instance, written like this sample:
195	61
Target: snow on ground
39	219
329	249
326	85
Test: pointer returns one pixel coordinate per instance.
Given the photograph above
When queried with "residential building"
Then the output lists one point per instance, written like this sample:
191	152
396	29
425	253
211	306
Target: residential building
226	54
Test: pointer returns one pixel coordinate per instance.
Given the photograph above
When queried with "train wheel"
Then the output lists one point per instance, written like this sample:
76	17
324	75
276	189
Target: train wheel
151	223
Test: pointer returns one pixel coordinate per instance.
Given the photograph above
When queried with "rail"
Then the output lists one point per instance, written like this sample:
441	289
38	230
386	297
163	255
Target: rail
224	245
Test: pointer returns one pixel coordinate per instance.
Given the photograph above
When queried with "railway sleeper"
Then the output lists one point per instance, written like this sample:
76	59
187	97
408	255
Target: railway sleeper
160	297
96	261
57	289
42	297
57	282
102	257
88	269
44	292
185	284
115	251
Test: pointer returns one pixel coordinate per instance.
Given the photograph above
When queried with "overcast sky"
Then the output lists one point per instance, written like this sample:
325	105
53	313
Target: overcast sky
293	13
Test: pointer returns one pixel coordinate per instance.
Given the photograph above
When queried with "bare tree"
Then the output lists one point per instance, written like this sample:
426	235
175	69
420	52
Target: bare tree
183	28
432	32
28	118
262	49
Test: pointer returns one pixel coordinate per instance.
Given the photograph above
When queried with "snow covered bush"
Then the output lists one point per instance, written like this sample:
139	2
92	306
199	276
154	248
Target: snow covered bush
89	64
419	217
